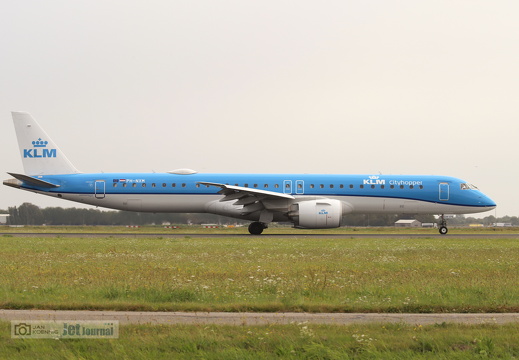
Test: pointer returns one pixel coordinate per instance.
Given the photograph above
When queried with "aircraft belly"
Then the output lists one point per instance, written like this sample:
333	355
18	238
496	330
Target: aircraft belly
148	203
402	206
172	203
191	203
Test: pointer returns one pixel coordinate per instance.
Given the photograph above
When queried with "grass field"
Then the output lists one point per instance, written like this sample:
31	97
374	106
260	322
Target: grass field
436	274
297	341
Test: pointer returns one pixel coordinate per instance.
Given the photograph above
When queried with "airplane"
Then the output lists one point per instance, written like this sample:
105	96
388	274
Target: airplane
308	201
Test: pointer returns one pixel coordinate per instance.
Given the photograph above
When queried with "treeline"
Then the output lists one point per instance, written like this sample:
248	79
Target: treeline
30	214
487	221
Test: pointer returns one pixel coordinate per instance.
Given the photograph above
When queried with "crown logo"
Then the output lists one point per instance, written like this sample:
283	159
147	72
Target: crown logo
39	143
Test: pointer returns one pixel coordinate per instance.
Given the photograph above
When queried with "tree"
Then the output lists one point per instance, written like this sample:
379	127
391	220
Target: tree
26	214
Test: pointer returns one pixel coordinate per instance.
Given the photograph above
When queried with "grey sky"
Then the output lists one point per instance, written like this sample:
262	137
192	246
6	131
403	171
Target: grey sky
396	87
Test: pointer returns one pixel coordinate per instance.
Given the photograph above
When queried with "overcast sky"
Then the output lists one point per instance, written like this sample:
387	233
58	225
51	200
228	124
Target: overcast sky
363	87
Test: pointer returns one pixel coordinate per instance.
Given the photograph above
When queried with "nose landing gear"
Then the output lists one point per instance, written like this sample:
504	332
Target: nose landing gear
442	228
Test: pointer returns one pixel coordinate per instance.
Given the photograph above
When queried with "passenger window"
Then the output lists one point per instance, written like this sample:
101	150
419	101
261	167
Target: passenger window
163	184
342	186
134	185
312	186
361	186
143	184
321	186
245	185
183	184
392	186
197	185
299	186
255	185
421	187
115	184
124	184
331	186
266	186
372	186
351	186
153	185
382	186
287	186
173	185
411	186
401	186
276	186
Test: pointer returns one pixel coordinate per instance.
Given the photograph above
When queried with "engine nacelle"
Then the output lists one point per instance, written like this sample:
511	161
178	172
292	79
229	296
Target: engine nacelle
317	214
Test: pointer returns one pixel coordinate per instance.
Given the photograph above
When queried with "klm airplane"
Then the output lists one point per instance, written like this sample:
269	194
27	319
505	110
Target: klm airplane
307	201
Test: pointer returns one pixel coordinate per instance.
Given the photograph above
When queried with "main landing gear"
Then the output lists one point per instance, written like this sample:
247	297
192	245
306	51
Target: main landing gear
443	225
256	228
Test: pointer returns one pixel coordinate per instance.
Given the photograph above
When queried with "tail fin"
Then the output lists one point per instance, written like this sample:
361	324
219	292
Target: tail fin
40	156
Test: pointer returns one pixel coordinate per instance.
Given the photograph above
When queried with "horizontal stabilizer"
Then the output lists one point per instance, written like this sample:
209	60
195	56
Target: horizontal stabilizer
33	181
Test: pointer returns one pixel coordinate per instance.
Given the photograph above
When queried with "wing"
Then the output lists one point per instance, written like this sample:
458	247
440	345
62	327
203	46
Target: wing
251	199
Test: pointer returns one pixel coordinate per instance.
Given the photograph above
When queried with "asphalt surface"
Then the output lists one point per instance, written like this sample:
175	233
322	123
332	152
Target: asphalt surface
207	318
266	234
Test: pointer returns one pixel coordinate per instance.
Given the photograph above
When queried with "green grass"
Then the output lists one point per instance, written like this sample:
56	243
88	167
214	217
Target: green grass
437	274
297	341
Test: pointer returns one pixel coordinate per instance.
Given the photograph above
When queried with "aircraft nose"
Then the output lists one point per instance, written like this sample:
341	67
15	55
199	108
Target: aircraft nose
487	202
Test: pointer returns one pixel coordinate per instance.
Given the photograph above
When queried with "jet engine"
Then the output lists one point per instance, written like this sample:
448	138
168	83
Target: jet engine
317	214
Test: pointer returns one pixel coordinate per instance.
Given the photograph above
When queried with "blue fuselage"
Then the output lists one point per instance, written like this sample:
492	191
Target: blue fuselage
366	193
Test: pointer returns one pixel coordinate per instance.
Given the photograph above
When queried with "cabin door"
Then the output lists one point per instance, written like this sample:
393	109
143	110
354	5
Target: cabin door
300	187
287	186
99	189
444	191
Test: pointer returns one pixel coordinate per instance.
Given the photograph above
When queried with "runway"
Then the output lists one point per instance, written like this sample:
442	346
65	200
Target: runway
266	234
250	319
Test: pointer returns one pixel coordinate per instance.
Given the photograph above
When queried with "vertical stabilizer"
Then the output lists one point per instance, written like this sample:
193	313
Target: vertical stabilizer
40	155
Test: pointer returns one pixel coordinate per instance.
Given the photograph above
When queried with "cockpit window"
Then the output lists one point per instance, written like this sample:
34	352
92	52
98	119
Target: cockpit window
466	186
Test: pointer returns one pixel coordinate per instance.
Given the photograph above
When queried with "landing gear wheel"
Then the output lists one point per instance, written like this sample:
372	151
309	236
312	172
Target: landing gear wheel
256	228
443	225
